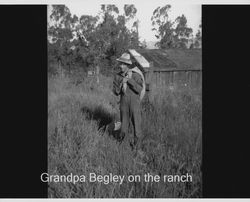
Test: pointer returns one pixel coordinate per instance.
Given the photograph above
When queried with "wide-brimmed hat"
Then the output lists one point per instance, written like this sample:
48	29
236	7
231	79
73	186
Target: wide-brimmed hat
125	58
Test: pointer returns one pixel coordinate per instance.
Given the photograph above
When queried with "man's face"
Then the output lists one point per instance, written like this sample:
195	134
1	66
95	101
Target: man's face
124	67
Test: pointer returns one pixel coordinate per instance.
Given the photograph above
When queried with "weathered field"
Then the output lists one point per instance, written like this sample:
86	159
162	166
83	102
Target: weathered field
172	140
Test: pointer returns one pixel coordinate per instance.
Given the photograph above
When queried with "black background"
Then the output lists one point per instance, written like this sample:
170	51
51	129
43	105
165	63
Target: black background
23	101
226	89
225	101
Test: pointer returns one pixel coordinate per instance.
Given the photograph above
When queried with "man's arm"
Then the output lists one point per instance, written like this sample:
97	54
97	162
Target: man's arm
136	83
117	84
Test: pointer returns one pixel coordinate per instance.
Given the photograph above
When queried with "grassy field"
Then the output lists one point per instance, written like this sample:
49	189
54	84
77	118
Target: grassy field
172	140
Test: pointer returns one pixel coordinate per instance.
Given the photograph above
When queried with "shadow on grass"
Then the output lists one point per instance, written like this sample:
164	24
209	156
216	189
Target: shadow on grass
98	114
104	119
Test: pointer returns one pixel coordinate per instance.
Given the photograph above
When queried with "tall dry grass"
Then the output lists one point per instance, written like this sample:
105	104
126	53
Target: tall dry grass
172	140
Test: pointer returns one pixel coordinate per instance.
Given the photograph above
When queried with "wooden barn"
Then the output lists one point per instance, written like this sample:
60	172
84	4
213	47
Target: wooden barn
171	68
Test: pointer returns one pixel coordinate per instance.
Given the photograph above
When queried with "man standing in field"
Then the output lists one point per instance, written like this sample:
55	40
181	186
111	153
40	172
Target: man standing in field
129	84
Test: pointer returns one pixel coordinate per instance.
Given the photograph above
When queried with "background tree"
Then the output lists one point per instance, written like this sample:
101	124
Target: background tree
91	40
182	32
171	34
130	14
86	35
198	38
144	44
163	26
60	33
113	34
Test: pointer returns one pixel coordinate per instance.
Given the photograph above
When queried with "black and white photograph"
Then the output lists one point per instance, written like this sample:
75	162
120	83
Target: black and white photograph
104	99
124	100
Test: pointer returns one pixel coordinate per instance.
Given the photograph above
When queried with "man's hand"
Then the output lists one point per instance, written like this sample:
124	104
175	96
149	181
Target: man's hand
125	79
129	74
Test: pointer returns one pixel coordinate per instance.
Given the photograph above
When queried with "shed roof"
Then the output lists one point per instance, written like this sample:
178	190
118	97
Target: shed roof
173	58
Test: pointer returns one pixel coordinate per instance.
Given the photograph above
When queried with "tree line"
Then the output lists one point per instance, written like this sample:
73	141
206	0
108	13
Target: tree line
79	43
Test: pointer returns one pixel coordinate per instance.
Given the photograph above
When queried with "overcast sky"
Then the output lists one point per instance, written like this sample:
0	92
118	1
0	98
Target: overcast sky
144	13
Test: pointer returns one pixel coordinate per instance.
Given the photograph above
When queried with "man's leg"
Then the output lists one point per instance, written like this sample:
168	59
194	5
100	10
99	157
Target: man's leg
124	113
136	120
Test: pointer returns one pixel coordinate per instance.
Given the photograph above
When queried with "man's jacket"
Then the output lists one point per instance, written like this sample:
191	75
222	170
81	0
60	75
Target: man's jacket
135	85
